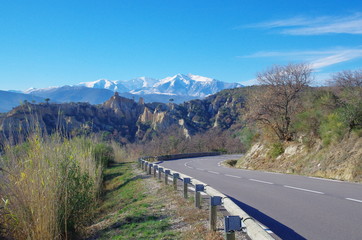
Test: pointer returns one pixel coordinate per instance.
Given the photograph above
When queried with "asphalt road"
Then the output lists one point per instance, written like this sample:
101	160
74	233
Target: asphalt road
293	207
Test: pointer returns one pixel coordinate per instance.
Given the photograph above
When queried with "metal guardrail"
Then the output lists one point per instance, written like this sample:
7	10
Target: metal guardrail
253	229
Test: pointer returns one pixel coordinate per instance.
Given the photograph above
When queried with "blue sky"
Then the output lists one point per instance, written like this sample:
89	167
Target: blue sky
60	42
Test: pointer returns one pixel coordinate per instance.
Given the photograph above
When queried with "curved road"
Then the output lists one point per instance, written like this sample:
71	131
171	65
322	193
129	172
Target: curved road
293	207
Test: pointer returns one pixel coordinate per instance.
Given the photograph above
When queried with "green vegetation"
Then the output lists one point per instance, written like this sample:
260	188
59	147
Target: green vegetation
232	162
288	109
318	128
49	186
247	136
126	211
276	149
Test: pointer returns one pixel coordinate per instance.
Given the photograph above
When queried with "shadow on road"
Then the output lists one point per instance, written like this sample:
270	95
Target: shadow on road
278	228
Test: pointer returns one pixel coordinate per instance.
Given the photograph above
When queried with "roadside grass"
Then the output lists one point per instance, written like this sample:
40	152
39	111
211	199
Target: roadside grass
49	186
137	206
127	211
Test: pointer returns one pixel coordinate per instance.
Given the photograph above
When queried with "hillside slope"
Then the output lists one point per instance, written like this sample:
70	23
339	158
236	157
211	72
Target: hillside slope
340	160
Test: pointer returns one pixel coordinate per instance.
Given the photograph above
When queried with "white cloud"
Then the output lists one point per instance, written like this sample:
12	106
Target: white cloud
338	57
315	26
318	59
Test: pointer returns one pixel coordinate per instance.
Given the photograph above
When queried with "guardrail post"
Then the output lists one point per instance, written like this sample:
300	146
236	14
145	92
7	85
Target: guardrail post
230	236
175	177
167	172
214	202
232	224
155	167
160	170
186	182
150	168
198	188
142	163
145	167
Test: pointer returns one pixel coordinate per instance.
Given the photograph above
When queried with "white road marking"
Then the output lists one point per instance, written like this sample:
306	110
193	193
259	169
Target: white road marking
303	189
187	163
232	176
326	179
260	181
355	200
201	169
213	172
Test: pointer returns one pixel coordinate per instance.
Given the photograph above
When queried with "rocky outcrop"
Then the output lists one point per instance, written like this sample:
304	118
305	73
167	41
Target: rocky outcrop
124	118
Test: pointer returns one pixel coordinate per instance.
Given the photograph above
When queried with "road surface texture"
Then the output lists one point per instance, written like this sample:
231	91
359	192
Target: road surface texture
293	207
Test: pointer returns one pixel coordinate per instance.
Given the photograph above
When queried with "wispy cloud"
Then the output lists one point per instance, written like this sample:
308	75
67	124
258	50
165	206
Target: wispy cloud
351	24
318	59
338	57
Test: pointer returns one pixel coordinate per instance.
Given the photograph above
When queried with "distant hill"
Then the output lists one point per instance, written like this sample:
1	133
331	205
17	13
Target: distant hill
100	95
8	99
74	94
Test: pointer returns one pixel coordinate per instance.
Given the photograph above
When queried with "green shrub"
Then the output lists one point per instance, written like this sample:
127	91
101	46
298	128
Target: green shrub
103	154
332	128
232	162
276	150
247	136
351	115
308	122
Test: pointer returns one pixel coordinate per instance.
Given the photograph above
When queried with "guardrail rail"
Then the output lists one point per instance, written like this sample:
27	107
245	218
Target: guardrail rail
239	219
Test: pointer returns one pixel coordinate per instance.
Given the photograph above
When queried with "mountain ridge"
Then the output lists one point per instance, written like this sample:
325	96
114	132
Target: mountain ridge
179	84
123	118
178	88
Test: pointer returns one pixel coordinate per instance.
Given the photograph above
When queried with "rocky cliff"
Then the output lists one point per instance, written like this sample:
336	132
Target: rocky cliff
124	118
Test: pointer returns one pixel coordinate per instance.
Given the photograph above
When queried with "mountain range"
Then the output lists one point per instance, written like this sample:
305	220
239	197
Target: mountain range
178	88
178	85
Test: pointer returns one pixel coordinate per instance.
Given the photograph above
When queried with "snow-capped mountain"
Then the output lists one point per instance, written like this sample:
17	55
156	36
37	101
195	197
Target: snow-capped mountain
191	85
121	86
179	85
140	82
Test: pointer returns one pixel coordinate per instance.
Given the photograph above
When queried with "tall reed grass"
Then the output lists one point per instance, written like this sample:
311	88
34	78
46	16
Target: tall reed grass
49	185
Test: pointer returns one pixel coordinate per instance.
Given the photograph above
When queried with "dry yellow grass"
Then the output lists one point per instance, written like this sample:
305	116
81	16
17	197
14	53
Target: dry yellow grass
48	186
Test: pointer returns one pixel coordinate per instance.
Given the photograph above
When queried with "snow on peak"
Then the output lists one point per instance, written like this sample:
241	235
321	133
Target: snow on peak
178	77
179	84
200	78
100	83
140	82
32	89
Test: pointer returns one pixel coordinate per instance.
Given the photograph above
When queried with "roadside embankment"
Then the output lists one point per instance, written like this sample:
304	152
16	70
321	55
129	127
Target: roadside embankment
340	160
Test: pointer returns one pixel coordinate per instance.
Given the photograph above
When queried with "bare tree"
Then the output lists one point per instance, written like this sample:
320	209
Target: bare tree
349	84
277	100
347	78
